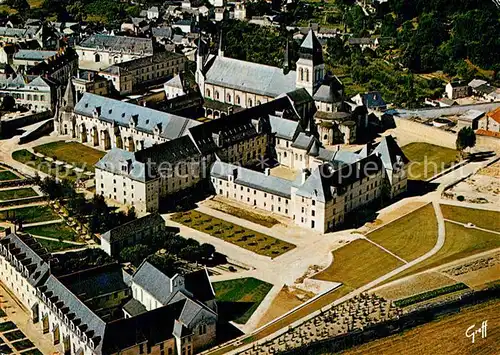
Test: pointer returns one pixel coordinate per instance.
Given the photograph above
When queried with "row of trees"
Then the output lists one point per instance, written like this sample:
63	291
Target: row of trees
175	247
99	216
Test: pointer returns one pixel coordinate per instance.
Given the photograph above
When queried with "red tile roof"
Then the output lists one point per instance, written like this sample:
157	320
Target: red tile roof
495	114
483	132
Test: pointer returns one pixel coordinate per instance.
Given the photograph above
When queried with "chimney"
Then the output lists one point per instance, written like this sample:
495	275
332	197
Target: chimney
304	174
267	171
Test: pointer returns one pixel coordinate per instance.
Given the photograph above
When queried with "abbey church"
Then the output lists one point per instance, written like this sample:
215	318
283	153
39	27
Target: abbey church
247	84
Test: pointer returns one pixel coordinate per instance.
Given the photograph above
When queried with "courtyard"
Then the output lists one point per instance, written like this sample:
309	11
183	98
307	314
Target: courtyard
246	238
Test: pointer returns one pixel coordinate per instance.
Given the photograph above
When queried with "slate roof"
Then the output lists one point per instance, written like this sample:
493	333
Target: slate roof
31	254
172	152
391	154
153	281
485	89
134	307
119	112
154	326
25	54
327	179
94	282
311	48
373	99
138	63
132	227
477	82
18	32
76	310
175	82
471	115
303	141
198	283
250	77
162	32
114	159
283	128
119	44
252	179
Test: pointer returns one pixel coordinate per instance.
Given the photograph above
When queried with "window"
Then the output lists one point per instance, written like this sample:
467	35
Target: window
216	95
250	102
301	71
208	92
313	202
307	75
228	98
238	100
97	58
313	213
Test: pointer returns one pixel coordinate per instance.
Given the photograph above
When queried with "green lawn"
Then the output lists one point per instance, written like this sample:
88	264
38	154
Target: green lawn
404	239
58	230
74	153
239	298
240	236
30	214
358	263
460	242
428	160
7	175
481	218
26	157
17	193
53	246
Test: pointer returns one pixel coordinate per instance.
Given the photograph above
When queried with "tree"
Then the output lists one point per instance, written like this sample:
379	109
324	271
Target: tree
165	263
20	5
466	138
135	254
8	103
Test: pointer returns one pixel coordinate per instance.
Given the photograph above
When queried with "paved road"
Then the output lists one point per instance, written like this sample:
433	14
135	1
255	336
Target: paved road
445	111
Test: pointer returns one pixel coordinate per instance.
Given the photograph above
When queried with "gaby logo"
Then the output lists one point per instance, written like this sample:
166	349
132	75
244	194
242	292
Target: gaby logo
472	331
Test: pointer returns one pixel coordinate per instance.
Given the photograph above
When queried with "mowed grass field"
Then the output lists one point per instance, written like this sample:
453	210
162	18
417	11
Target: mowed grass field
53	245
32	214
410	236
246	238
358	263
481	218
460	242
56	230
442	336
13	194
74	153
428	160
239	298
7	175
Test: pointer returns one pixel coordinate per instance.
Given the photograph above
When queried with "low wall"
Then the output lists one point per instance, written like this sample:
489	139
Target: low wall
23	201
7	126
412	131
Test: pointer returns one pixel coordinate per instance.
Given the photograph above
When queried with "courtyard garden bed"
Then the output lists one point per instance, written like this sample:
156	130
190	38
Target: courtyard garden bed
23	344
74	153
14	194
5	326
14	335
238	299
55	245
240	236
50	168
56	230
31	214
7	175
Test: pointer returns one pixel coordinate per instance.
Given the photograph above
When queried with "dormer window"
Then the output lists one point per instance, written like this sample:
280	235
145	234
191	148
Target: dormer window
97	112
133	121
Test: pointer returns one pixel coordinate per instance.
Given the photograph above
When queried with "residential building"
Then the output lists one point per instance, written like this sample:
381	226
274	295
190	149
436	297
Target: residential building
98	311
100	51
36	93
175	87
88	81
456	90
130	76
490	122
372	100
59	65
